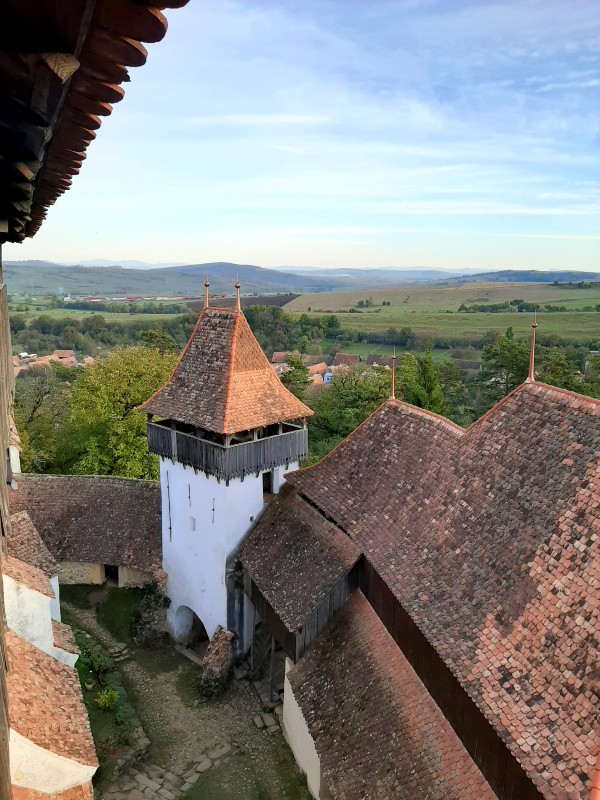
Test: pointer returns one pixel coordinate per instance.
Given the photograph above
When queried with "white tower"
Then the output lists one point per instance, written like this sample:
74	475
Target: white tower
228	430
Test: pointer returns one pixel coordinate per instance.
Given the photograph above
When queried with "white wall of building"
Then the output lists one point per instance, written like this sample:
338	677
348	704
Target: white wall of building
130	577
55	601
203	520
299	739
38	769
28	614
15	459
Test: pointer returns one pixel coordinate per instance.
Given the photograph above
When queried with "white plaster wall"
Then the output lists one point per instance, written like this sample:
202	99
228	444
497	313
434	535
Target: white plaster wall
208	520
65	657
299	739
28	614
279	472
55	601
35	768
15	459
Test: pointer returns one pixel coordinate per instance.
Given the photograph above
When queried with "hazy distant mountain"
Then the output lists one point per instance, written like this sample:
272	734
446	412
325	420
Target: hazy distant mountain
45	277
132	264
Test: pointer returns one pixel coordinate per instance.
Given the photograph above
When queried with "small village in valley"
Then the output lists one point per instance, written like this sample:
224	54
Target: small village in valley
255	549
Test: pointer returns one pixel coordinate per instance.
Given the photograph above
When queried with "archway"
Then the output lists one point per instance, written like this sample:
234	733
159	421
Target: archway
188	629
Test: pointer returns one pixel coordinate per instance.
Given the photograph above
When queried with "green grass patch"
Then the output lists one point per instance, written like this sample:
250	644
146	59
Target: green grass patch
240	779
77	594
117	611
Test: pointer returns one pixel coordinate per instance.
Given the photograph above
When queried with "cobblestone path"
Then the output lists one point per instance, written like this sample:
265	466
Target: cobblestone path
190	736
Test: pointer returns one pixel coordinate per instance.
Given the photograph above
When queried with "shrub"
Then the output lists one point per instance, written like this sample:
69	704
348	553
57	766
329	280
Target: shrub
107	699
100	664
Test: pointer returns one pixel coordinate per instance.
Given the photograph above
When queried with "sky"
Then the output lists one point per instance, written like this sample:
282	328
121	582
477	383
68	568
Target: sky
341	133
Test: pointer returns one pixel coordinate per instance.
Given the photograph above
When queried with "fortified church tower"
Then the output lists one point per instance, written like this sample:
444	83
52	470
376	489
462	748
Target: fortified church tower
227	431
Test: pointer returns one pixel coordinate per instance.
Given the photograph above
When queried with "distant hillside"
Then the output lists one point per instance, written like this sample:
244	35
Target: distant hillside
43	278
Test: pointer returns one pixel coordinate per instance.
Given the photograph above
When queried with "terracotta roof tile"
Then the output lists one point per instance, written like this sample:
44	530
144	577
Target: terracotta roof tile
489	539
94	518
45	703
345	359
223	381
376	729
307	556
64	637
318	369
29	576
83	792
24	542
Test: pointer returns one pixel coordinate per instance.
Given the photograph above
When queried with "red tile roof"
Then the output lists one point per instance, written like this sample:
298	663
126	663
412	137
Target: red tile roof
318	369
83	792
29	576
489	538
93	518
279	356
45	703
376	729
307	556
64	637
223	381
346	359
24	542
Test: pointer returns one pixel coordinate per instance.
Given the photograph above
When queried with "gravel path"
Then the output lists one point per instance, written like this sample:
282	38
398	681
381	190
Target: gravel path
183	731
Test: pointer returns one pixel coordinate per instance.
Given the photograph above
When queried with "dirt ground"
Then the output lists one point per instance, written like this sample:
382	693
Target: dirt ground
183	728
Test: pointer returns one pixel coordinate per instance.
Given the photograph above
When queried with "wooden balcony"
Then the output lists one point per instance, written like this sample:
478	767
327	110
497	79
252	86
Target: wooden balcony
226	462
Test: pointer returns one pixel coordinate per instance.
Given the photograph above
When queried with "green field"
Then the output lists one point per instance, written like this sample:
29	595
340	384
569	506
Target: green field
433	311
60	313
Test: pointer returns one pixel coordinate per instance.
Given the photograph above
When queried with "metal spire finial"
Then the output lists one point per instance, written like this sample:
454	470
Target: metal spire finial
531	376
206	285
393	388
238	306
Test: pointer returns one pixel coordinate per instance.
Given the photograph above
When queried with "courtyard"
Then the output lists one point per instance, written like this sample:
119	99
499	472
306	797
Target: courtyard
166	740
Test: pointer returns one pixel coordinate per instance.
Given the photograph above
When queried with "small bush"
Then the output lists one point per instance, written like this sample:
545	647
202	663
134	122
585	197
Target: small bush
100	664
107	699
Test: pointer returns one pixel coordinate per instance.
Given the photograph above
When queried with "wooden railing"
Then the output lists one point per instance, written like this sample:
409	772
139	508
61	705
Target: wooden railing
226	462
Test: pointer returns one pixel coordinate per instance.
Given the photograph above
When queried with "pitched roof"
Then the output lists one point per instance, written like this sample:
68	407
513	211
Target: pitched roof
45	703
83	792
29	576
380	360
377	731
346	359
94	518
279	356
223	382
489	539
307	556
64	637
24	542
317	369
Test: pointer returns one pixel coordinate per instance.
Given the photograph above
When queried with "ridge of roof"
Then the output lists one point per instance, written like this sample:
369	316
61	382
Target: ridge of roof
445	423
24	542
24	573
236	323
223	382
53	685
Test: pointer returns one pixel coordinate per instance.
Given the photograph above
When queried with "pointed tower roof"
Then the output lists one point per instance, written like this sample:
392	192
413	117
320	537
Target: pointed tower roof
223	381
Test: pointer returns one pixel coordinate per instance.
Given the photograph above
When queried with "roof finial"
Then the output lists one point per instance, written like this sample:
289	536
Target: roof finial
238	306
531	376
393	389
206	285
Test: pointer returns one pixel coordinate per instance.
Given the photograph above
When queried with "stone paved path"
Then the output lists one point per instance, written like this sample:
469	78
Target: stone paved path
189	737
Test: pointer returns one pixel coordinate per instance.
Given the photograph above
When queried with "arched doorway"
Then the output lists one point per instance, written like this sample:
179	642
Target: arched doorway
189	630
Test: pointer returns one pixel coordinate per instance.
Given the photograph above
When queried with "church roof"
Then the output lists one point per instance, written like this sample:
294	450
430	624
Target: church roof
93	518
45	702
24	542
377	731
306	552
489	538
223	382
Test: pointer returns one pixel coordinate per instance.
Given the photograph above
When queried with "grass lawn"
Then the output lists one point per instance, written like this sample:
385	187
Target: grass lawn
117	611
77	594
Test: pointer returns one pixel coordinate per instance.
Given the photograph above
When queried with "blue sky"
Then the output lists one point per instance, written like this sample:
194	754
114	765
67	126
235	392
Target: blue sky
355	133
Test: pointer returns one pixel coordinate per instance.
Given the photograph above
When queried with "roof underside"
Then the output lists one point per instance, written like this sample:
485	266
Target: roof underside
61	69
223	382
